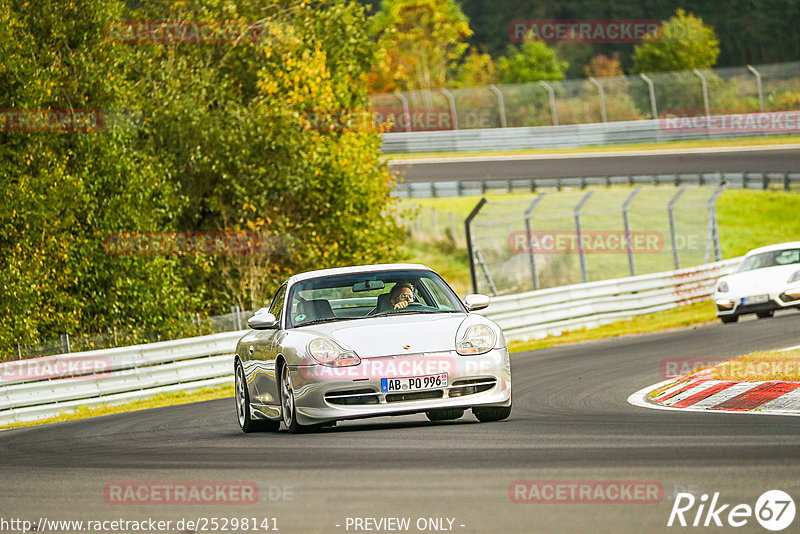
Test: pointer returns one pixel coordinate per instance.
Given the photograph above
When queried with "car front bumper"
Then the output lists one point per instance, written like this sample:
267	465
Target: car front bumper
737	305
481	380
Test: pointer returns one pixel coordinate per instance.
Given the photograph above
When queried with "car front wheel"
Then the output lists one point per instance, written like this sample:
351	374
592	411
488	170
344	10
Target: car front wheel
242	398
765	314
287	403
492	413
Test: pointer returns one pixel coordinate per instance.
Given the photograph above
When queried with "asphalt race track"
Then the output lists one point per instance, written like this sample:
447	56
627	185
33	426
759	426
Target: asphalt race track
741	159
571	422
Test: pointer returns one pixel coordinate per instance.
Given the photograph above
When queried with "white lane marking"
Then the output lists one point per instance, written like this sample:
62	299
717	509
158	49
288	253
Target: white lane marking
639	399
787	349
584	155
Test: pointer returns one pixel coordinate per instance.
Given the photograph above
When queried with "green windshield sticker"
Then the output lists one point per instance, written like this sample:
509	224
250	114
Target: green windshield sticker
300	317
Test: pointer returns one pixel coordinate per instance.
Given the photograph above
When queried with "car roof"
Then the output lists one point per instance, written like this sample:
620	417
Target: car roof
354	269
771	248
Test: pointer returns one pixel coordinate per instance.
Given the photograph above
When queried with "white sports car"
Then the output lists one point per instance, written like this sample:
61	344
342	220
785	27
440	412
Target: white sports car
368	341
767	280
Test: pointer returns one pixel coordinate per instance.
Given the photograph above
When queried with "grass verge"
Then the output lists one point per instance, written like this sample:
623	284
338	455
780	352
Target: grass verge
702	143
682	317
761	366
156	401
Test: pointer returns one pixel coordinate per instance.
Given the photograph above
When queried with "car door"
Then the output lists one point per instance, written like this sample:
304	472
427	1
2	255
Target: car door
265	350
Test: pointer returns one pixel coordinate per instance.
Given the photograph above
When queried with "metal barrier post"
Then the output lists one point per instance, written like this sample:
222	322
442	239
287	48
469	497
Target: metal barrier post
470	251
406	111
501	105
652	91
705	92
528	233
579	232
452	101
602	98
626	224
552	95
758	84
673	235
712	239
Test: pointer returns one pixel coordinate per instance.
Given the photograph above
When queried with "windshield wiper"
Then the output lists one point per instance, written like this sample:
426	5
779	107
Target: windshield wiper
327	320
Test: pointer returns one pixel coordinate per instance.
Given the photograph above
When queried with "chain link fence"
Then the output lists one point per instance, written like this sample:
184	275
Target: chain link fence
555	239
721	91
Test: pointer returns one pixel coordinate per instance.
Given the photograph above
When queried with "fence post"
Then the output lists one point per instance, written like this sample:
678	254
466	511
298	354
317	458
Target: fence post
406	111
758	84
705	91
501	105
627	226
579	232
552	95
453	227
528	234
602	98
673	235
435	217
65	343
652	91
468	232
452	101
237	320
712	239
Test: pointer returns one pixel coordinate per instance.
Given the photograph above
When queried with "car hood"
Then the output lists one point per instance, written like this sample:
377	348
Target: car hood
386	336
761	280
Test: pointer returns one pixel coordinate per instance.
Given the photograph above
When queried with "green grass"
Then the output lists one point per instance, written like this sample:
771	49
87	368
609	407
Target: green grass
708	143
156	401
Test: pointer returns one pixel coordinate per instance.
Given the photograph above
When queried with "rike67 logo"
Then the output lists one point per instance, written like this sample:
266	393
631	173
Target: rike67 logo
774	510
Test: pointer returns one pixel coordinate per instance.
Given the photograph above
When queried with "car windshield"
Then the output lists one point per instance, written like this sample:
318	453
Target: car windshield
356	296
770	259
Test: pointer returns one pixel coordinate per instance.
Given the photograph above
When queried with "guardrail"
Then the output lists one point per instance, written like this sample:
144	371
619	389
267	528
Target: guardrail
570	136
787	181
538	314
35	388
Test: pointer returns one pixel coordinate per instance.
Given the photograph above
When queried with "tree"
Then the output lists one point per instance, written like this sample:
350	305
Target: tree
532	61
420	43
475	70
602	66
682	43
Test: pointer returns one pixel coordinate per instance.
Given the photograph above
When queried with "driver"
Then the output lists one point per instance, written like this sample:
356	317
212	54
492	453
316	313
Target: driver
401	295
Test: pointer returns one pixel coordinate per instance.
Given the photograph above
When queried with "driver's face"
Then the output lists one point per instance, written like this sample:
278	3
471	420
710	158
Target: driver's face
405	295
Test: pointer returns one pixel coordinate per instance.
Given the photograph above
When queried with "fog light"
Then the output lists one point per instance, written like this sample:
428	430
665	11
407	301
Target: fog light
791	294
724	304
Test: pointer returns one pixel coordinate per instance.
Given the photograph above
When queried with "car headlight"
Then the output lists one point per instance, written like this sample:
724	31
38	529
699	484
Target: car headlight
723	287
478	339
326	352
794	278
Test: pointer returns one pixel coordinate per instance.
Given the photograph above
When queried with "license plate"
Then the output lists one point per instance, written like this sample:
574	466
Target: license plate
758	299
414	383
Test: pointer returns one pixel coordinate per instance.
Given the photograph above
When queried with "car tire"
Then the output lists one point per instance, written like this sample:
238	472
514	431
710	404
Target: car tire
492	413
728	319
765	314
288	410
242	398
444	414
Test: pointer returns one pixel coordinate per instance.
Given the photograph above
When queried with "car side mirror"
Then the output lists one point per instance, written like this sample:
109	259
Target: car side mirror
262	320
476	302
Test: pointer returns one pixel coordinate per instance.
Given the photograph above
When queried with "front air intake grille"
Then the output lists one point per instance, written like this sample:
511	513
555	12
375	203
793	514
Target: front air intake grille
471	386
352	396
417	395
